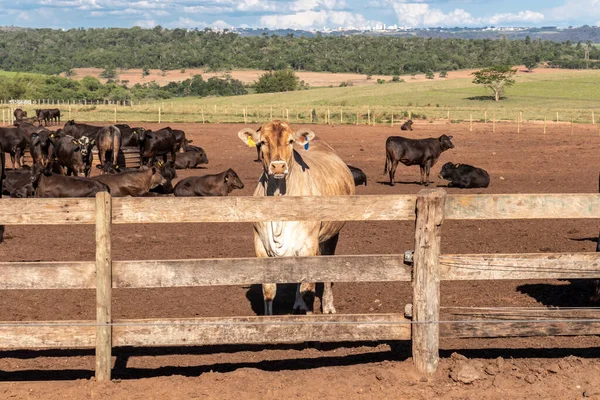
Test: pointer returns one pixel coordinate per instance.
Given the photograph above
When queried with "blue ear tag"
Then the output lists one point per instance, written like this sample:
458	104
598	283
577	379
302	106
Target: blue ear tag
306	145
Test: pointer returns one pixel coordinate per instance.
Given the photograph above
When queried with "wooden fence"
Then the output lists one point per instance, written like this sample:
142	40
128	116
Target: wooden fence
422	324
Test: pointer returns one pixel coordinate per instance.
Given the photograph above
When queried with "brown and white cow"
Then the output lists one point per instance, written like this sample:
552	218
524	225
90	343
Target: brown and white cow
296	163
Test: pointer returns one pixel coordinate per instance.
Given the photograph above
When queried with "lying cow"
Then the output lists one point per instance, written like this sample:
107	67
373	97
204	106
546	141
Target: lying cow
47	184
167	170
422	152
407	126
464	176
18	184
359	176
108	141
137	183
191	158
130	137
209	185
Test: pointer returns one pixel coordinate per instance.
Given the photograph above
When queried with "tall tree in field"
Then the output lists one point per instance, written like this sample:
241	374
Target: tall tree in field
495	78
530	63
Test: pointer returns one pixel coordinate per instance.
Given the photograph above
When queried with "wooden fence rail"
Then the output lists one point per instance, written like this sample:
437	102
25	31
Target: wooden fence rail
425	325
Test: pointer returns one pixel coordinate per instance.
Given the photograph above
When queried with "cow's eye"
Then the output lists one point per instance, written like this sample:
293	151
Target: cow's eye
291	141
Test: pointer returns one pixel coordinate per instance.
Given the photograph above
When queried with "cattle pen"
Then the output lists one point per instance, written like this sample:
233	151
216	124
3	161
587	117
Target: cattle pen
421	321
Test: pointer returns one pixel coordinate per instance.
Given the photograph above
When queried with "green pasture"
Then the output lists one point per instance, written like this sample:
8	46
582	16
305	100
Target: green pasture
572	94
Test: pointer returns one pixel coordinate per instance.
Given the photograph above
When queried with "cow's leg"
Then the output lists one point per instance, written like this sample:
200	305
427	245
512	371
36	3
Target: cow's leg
327	248
269	289
305	291
427	171
12	159
393	172
18	156
422	169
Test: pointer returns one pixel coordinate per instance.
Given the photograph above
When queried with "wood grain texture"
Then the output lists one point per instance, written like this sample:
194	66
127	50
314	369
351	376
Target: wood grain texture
257	330
520	266
523	206
47	275
426	280
46	211
519	329
103	286
46	337
251	209
246	271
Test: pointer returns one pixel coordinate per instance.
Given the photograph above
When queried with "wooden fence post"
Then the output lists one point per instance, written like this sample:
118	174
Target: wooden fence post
392	124
328	117
485	117
368	117
357	117
557	116
426	280
593	119
271	117
341	115
69	112
159	115
544	124
202	114
115	115
103	286
471	123
518	125
494	124
571	126
3	118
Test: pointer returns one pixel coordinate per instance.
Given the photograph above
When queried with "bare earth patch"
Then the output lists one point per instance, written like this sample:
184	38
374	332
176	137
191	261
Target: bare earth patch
515	368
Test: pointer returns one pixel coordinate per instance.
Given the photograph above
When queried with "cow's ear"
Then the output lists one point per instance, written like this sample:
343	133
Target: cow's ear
190	141
303	136
93	141
153	170
450	137
249	136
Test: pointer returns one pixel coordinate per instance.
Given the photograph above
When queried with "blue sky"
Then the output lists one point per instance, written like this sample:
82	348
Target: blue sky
297	14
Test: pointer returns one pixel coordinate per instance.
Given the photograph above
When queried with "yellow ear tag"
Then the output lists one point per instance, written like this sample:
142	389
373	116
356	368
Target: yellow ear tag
251	142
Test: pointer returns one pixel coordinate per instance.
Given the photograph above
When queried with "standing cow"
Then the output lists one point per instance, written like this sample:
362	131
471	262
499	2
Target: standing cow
108	141
296	163
19	114
421	152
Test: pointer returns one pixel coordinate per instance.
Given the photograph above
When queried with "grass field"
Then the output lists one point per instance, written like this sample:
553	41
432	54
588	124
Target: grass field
571	94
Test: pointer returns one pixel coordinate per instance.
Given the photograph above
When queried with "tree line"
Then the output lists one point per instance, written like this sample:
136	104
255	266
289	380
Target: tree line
90	88
55	51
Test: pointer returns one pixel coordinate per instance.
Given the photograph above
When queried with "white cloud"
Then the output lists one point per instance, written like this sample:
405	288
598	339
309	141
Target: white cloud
145	23
184	22
576	10
414	15
316	20
522	16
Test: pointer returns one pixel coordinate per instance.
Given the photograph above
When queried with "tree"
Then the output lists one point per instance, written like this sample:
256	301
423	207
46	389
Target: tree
108	73
277	81
530	63
429	75
443	74
495	78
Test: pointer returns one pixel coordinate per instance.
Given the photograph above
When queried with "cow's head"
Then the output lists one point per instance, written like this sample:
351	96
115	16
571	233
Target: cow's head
232	180
86	145
157	178
276	140
446	142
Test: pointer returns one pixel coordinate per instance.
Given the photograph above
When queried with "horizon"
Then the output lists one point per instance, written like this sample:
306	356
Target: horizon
307	15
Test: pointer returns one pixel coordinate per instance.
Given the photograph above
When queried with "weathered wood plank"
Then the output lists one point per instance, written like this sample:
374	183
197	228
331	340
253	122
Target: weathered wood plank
103	286
426	280
246	271
520	266
523	206
35	336
47	275
46	211
530	313
258	330
250	209
488	329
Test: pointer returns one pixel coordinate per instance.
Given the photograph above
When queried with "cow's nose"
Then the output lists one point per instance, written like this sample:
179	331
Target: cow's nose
278	168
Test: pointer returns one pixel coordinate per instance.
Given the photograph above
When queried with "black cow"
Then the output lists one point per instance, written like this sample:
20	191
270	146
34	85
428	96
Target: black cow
47	184
18	184
14	140
157	143
130	137
167	170
108	141
464	176
78	130
407	126
73	154
191	158
2	175
135	183
422	152
359	176
209	185
19	114
48	115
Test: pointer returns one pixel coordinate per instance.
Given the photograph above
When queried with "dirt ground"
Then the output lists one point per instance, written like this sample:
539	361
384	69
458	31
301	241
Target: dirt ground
250	76
552	367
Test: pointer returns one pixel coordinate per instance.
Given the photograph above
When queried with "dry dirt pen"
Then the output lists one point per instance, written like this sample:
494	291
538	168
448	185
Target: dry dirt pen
528	164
